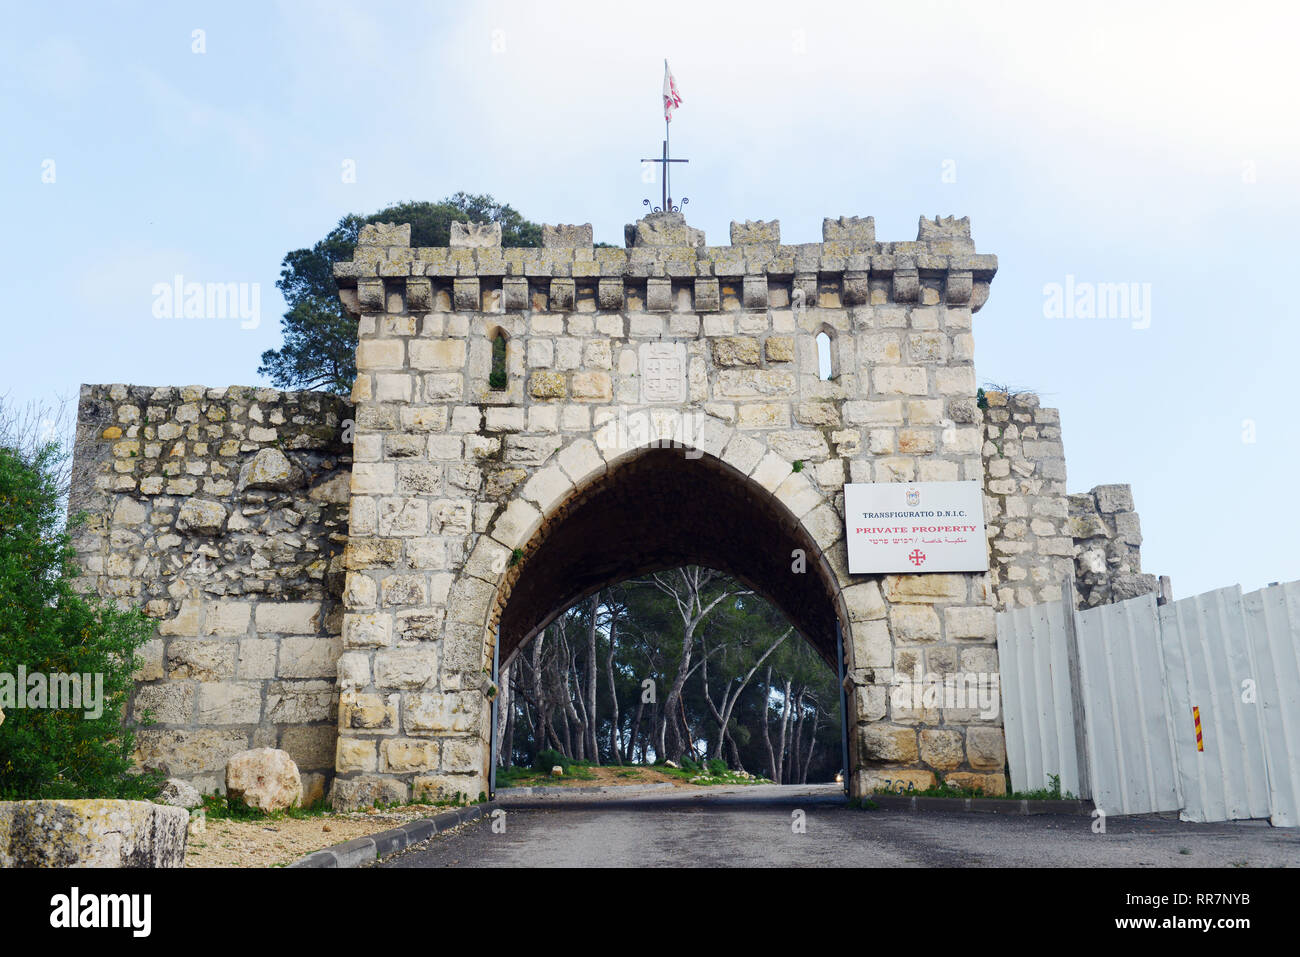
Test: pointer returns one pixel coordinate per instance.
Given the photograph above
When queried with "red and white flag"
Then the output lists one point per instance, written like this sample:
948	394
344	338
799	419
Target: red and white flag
672	99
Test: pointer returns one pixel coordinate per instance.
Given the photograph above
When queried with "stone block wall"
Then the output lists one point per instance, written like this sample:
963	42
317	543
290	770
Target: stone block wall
1040	536
1107	539
223	514
1030	548
457	485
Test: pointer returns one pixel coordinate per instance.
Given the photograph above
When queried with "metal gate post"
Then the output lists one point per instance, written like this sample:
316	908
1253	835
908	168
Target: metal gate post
844	706
496	707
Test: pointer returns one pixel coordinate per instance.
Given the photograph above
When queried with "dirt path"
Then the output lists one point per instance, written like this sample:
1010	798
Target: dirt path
275	843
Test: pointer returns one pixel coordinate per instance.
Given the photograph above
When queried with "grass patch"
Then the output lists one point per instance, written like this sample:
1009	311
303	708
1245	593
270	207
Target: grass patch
711	772
221	807
946	790
519	777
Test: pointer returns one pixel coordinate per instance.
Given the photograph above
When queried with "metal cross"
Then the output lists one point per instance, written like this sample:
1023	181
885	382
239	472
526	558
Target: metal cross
667	206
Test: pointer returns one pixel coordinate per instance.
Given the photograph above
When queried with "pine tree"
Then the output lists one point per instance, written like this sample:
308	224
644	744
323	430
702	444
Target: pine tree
47	628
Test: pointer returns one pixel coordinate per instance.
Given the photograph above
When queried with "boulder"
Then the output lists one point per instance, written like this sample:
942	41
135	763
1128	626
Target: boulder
264	778
91	833
557	771
270	469
178	793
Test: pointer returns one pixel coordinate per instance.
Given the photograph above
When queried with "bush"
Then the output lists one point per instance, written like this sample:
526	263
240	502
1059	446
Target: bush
717	767
549	758
47	628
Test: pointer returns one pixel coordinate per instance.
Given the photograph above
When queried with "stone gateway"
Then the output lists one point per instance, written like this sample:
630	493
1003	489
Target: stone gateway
336	580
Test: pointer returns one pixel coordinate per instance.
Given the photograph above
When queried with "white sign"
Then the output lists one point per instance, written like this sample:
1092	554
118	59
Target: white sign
915	527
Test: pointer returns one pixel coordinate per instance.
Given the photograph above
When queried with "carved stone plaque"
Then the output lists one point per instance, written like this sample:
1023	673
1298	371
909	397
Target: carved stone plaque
663	371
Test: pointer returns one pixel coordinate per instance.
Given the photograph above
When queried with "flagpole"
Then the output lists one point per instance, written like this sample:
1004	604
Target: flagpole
671	100
668	190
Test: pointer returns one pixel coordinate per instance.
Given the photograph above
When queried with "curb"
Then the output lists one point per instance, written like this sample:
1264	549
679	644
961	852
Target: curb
561	790
980	805
366	850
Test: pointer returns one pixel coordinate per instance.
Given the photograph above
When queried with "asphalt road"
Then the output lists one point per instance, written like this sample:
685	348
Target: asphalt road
754	827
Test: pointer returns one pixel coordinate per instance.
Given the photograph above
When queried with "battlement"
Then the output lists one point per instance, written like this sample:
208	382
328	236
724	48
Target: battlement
666	267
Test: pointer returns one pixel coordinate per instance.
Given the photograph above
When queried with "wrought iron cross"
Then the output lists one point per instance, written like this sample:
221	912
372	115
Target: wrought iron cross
667	206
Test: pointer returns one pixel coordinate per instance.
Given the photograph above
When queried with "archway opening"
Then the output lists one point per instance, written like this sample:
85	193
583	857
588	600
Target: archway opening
681	677
659	515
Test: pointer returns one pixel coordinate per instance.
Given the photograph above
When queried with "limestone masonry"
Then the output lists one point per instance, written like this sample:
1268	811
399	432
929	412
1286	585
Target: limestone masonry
223	513
336	580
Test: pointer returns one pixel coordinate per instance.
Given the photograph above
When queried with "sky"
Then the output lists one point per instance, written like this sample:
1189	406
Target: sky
1153	145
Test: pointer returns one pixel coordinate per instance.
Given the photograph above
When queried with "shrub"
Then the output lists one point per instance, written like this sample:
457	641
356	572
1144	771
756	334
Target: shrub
717	767
47	628
549	758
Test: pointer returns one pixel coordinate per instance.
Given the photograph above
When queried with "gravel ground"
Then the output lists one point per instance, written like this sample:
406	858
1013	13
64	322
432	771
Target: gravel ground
275	843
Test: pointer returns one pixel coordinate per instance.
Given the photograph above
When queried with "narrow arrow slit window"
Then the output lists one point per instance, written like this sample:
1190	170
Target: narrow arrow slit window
497	377
825	355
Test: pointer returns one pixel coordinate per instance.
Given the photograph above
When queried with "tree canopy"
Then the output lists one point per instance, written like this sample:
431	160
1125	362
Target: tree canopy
320	339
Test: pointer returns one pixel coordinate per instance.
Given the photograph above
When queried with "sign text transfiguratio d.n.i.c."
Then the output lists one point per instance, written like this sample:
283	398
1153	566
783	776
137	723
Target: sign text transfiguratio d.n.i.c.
915	527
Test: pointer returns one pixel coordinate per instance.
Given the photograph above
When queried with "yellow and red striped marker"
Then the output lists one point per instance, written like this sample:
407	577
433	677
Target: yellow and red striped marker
1196	716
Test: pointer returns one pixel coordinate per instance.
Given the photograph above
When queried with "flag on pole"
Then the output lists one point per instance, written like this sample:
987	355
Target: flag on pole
672	99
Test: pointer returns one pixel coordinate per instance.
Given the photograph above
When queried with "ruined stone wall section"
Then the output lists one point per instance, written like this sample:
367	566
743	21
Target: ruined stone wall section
223	514
1107	552
1040	536
453	478
1030	545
